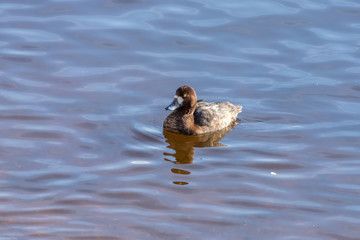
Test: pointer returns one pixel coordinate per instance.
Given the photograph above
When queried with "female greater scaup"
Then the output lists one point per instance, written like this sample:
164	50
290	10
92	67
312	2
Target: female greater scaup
191	117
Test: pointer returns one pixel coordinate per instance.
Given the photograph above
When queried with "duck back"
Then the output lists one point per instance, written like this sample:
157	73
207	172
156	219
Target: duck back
215	116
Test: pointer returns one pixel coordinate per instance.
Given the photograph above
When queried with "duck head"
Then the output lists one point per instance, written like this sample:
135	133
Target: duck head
185	98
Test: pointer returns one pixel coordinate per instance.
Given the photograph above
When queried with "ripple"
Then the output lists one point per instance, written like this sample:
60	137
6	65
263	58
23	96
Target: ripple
32	97
140	162
95	117
42	135
87	71
335	36
209	22
348	3
13	6
348	107
21	52
175	9
309	4
249	9
202	57
283	70
330	57
31	83
17	143
353	70
32	35
324	53
100	87
19	59
131	20
259	51
49	177
275	166
127	2
88	156
146	133
25	118
83	71
314	49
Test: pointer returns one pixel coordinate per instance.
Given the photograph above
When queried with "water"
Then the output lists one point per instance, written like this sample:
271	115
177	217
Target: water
83	86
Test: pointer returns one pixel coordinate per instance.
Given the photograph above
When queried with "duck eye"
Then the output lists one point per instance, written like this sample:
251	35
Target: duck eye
185	95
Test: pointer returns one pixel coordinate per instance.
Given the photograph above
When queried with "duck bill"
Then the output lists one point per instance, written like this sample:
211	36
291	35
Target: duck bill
173	105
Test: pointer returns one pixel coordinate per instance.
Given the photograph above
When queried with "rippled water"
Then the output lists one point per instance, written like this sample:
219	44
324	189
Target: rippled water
83	86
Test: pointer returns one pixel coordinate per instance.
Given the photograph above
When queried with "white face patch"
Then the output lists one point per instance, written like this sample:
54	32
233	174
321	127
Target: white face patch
179	100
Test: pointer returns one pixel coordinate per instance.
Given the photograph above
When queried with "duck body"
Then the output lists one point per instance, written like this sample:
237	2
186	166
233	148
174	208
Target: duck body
190	117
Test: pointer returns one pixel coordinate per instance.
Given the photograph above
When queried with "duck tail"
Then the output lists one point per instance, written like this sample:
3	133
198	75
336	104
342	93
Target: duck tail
238	108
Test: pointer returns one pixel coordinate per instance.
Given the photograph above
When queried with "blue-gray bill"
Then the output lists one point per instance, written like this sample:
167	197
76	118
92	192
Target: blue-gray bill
173	105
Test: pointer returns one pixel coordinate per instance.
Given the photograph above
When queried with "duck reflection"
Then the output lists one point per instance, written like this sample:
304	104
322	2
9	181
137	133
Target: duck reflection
184	147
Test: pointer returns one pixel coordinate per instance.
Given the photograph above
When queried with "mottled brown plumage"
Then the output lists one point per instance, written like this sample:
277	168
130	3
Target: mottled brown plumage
193	118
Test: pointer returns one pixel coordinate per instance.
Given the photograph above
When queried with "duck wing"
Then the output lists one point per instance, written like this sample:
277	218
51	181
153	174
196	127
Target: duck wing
215	115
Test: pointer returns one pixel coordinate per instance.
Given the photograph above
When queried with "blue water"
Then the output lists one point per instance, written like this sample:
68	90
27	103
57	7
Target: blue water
83	86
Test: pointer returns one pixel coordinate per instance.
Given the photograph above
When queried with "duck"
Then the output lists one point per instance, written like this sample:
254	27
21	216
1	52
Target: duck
192	117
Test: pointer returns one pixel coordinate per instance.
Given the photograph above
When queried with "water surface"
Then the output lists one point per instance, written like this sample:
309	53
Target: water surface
83	86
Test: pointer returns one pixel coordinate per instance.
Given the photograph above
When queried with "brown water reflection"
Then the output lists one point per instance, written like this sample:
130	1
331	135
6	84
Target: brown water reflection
184	147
